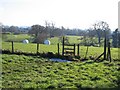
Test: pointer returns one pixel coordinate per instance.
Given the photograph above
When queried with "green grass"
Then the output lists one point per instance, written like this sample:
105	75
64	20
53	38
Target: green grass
16	38
30	47
19	71
92	51
21	37
54	40
72	40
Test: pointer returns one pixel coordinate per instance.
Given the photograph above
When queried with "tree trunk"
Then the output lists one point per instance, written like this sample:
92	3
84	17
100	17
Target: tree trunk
99	40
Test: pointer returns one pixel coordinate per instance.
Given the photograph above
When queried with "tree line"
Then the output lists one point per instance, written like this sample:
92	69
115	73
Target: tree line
40	33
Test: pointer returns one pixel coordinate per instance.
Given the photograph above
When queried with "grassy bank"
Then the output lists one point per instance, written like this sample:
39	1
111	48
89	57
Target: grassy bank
19	71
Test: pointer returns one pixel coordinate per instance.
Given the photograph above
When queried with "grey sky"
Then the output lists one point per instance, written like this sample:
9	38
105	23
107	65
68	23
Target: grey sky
68	13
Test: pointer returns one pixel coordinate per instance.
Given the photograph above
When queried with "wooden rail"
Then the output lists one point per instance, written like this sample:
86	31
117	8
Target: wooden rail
69	49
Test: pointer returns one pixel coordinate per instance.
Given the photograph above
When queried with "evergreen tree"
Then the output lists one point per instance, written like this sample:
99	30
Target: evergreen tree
115	38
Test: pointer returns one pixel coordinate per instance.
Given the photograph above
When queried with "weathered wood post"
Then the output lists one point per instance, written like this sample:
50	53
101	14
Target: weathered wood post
37	48
104	53
86	52
63	47
74	49
109	52
78	50
58	49
12	47
105	46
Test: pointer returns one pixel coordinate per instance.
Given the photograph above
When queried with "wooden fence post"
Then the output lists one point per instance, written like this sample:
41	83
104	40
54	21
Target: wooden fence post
86	52
37	48
63	47
74	49
58	49
109	53
105	48
12	47
78	50
104	53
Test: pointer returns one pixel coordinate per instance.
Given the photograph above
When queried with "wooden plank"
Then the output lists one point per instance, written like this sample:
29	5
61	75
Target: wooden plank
63	47
68	49
69	52
86	52
78	50
12	47
58	49
74	49
37	48
105	47
99	56
68	44
109	53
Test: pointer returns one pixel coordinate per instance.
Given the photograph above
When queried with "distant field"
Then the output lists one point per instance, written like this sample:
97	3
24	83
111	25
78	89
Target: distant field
72	40
92	51
53	40
18	45
21	37
16	38
19	71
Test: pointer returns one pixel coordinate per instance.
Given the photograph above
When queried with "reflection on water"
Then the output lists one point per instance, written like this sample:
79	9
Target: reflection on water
58	60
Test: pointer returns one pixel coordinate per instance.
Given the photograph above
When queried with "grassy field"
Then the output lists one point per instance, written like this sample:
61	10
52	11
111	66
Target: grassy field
19	71
21	37
16	38
53	40
19	46
92	51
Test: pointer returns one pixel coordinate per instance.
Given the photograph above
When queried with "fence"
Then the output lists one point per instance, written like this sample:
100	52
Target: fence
74	49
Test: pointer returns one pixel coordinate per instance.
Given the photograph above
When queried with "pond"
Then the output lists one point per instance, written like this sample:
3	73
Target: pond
59	60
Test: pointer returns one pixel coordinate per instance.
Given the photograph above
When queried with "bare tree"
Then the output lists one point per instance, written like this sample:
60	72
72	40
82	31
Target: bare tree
62	30
36	29
50	27
115	38
14	29
41	37
102	29
40	33
1	26
91	35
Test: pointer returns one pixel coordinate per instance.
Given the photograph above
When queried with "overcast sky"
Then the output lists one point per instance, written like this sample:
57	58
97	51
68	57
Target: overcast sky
68	13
